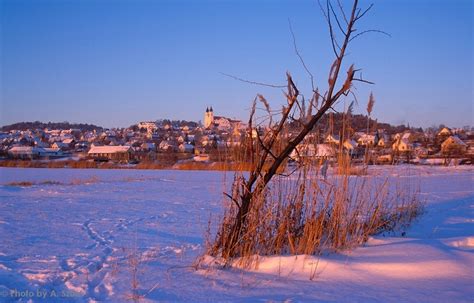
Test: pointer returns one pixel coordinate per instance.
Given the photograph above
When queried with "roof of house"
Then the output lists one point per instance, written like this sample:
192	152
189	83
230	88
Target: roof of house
68	141
60	144
444	130
349	143
455	140
324	150
21	149
109	149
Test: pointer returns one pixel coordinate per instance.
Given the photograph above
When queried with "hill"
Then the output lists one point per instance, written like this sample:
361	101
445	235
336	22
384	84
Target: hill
50	125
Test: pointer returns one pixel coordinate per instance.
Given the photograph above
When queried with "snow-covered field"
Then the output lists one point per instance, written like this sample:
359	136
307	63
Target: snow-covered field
105	235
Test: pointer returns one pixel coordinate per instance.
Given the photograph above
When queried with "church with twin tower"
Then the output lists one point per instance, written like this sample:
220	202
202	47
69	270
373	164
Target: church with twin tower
208	117
219	122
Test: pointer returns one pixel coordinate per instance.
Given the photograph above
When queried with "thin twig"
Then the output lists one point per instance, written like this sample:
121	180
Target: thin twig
359	15
337	19
370	31
362	80
233	200
299	55
253	82
342	11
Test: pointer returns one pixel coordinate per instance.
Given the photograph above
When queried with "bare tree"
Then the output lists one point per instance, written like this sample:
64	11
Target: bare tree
274	147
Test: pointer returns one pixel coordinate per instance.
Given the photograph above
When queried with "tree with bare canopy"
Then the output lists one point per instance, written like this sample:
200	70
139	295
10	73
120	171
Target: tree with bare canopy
271	150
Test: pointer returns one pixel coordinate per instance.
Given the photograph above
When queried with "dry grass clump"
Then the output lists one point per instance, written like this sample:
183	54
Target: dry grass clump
217	166
91	180
28	183
20	184
50	164
304	214
49	182
17	163
81	164
151	165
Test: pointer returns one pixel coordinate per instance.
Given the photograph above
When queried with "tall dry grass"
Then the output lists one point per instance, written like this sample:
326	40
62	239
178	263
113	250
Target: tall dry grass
305	214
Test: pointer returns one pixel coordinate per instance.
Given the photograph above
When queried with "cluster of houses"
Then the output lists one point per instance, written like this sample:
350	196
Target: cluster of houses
143	141
379	147
146	140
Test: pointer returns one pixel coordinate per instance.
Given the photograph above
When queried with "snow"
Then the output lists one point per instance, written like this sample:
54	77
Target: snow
87	235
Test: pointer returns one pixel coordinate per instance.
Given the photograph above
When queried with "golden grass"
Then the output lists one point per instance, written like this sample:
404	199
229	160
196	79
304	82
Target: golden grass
216	166
164	163
306	214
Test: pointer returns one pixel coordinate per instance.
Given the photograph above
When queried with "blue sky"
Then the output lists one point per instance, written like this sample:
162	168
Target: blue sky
114	63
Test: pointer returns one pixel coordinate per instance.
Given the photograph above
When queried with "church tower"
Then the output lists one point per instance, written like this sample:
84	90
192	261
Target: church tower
208	117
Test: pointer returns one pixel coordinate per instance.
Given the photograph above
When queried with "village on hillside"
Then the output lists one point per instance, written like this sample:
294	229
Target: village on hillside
217	138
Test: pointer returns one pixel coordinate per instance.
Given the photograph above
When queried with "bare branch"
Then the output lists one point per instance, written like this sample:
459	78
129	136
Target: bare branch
362	80
355	97
327	16
334	110
265	148
323	11
290	173
359	15
370	31
253	82
299	55
232	199
342	11
337	19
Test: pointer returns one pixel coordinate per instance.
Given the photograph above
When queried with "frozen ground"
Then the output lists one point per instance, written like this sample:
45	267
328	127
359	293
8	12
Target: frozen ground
105	235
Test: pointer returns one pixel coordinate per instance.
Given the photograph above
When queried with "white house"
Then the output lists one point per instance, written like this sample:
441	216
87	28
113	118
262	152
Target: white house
453	143
383	141
24	152
166	146
148	125
311	150
366	139
29	152
116	153
402	145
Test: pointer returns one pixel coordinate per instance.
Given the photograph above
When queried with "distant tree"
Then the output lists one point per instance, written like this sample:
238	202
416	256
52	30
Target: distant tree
50	125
